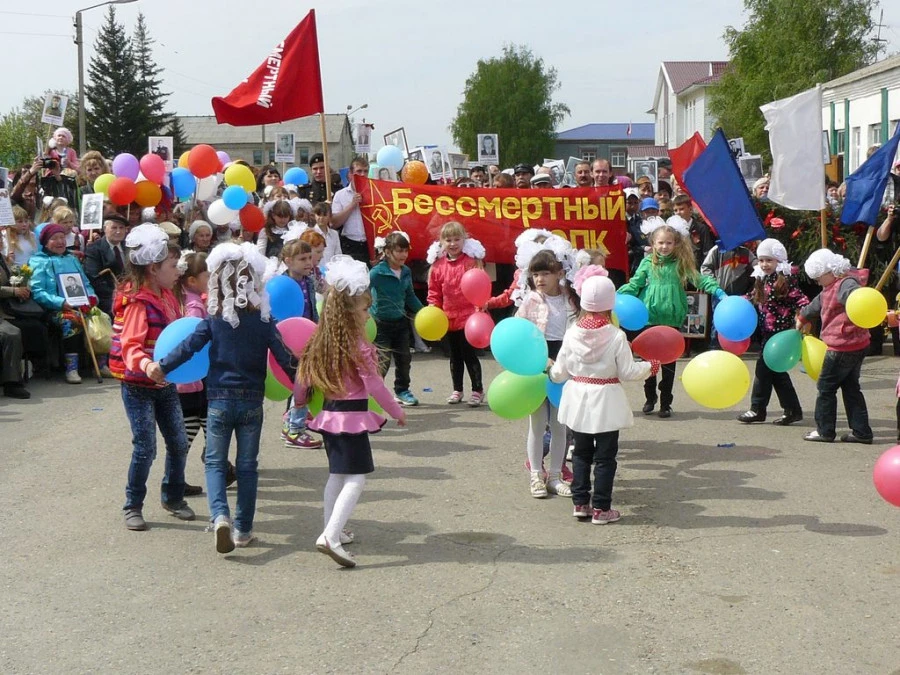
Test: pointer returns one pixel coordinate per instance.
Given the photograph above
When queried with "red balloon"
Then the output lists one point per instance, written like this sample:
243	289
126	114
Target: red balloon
659	343
252	218
476	287
203	161
478	330
886	475
736	348
122	191
154	168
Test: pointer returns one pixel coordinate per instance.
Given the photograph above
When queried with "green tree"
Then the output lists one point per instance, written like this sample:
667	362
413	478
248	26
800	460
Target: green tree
510	96
22	125
149	108
179	142
785	47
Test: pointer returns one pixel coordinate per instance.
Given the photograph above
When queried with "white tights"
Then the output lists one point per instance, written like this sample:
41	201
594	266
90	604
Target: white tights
342	491
537	422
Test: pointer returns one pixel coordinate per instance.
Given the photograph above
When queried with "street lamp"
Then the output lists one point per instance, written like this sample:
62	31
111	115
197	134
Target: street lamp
362	107
79	40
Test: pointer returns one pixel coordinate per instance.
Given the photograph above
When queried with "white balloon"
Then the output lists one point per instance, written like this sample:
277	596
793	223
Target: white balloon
207	187
219	214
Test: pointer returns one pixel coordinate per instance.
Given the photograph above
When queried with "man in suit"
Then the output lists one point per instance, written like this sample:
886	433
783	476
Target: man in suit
107	253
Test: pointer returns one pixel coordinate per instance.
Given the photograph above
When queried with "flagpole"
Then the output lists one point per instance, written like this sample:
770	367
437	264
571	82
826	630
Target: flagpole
823	227
870	232
325	154
887	270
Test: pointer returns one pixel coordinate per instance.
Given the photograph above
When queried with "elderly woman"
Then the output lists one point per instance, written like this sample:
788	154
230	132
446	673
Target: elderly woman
11	344
200	236
761	188
60	150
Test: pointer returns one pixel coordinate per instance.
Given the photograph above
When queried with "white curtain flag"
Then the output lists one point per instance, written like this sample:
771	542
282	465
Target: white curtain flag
795	138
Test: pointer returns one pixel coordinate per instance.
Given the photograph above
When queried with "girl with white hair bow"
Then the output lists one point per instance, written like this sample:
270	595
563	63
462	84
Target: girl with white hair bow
778	298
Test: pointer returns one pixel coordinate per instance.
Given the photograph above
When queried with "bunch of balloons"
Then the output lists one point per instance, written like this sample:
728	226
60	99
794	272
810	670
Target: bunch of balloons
134	180
476	288
520	347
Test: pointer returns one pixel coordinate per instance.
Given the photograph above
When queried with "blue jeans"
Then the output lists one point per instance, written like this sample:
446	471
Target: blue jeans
147	407
244	418
841	371
297	418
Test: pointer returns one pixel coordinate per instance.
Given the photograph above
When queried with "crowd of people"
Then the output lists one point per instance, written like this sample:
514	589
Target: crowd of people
148	267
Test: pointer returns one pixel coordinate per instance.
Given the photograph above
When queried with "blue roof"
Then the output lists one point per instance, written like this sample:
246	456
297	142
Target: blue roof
640	131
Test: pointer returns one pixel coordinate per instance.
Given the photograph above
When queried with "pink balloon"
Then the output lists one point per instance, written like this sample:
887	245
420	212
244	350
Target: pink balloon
278	373
476	287
154	168
296	332
478	330
223	157
126	165
736	348
886	475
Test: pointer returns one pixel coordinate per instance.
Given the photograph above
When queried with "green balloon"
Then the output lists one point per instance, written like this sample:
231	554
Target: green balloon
275	391
319	305
371	329
316	401
374	407
783	350
513	397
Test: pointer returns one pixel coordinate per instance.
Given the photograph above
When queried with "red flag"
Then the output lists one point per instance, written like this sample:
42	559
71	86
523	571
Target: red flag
685	154
628	130
287	85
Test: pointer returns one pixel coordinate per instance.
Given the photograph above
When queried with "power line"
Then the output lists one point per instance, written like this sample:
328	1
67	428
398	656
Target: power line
10	32
55	16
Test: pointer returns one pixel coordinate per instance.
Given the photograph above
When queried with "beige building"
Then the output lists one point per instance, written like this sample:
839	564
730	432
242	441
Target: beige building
680	100
256	144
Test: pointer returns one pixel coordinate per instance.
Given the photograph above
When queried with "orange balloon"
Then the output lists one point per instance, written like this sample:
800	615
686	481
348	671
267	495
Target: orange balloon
203	161
148	193
183	160
415	172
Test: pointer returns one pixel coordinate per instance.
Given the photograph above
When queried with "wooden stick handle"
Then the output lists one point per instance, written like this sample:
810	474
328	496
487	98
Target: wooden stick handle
887	271
864	253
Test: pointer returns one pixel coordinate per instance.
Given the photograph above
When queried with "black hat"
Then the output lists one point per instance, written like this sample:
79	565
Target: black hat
318	157
665	163
521	167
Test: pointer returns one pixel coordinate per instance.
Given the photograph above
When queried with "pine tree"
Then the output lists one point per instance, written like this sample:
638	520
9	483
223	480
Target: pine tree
112	118
152	118
179	142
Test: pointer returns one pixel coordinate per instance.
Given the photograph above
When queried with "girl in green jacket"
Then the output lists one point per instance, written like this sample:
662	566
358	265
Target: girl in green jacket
659	283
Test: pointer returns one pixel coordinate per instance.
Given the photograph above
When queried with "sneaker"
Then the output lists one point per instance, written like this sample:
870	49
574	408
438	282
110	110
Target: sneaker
788	418
566	475
181	511
405	398
815	437
752	416
134	520
335	551
455	397
853	438
347	537
302	440
600	517
243	539
556	487
538	486
72	377
224	540
285	424
582	511
476	399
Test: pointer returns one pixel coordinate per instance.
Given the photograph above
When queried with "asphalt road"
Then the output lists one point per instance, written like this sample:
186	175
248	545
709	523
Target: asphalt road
771	555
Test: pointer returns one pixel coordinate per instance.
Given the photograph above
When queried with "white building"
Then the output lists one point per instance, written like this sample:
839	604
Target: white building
680	104
861	109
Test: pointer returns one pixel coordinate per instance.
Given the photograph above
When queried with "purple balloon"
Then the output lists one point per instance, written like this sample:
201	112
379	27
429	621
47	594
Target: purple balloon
126	166
223	157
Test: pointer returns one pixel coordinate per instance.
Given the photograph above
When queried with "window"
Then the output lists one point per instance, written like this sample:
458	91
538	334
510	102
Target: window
304	156
271	156
257	157
588	154
841	141
855	148
617	157
874	134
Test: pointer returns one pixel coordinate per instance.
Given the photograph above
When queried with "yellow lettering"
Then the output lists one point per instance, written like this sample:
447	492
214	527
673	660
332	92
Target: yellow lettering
444	205
468	203
615	208
573	207
485	205
401	206
584	235
424	204
598	241
511	208
553	201
591	211
532	209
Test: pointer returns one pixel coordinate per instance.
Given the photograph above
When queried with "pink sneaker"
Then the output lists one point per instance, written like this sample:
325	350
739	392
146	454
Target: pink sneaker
476	399
302	440
582	511
566	474
599	517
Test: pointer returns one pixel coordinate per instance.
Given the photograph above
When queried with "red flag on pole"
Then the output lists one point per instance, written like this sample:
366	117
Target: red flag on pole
287	85
685	154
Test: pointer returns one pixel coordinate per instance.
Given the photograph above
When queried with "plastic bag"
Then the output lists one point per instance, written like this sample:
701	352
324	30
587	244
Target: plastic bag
99	330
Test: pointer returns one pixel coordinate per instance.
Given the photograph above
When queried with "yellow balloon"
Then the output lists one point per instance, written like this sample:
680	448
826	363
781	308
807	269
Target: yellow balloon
102	183
812	353
238	174
432	323
716	379
866	307
183	160
614	319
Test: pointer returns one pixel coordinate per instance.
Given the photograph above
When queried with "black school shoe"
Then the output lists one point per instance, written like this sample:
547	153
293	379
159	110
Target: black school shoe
648	407
853	438
751	416
665	412
16	390
788	418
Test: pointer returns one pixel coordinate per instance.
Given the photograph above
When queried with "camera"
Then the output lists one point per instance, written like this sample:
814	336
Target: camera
49	162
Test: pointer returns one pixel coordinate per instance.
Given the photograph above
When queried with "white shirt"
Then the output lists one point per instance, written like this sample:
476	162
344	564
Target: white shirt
353	227
557	316
332	245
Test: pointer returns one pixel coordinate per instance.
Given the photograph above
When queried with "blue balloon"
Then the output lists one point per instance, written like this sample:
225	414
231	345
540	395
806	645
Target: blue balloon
235	197
183	183
735	318
195	368
285	297
519	346
554	391
631	312
296	176
390	156
373	170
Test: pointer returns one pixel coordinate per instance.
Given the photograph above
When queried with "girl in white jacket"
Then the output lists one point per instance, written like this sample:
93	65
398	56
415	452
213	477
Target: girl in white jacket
595	358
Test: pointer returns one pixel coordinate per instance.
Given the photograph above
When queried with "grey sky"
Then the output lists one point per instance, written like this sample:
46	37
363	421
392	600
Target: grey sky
408	59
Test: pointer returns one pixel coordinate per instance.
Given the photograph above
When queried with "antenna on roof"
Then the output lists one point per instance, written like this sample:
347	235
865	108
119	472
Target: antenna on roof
879	26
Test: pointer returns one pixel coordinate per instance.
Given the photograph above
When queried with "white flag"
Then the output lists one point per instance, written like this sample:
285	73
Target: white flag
795	138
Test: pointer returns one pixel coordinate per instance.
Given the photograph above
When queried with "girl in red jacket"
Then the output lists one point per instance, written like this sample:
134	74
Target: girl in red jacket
455	255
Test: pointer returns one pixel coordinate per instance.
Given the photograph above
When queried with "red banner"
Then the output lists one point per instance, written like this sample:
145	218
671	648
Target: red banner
587	217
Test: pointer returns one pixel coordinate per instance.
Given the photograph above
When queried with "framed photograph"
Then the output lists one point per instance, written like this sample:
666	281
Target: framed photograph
646	167
458	161
569	177
737	147
363	138
92	211
751	168
284	147
164	146
438	164
488	149
416	154
557	170
461	173
6	208
54	109
696	322
397	138
386	173
72	288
